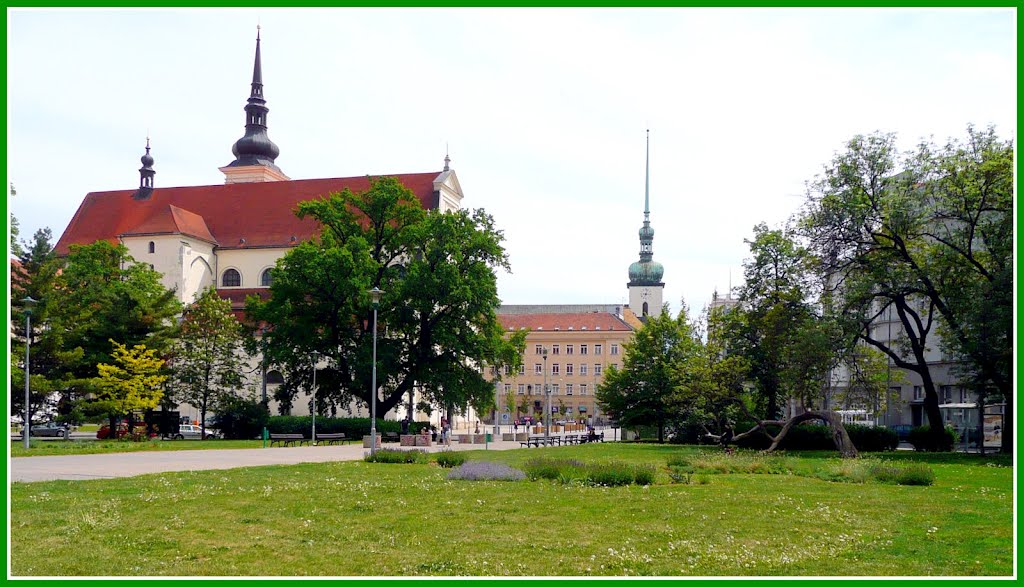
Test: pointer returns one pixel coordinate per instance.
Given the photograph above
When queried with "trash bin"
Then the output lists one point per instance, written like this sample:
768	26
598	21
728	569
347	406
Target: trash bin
490	437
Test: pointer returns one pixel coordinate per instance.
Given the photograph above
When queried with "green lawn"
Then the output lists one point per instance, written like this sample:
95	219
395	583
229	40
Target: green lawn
355	518
87	447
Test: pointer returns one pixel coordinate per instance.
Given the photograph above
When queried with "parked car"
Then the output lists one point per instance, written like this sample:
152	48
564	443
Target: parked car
51	429
122	430
193	431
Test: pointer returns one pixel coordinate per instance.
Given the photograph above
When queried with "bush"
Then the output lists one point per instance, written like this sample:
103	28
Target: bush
569	470
449	459
240	418
872	438
393	455
919	437
913	474
485	471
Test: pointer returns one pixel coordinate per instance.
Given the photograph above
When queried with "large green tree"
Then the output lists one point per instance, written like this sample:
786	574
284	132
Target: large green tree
925	237
102	294
206	360
34	276
132	381
641	393
437	321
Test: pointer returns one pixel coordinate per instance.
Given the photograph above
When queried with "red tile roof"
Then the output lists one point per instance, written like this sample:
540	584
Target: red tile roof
174	220
260	213
585	321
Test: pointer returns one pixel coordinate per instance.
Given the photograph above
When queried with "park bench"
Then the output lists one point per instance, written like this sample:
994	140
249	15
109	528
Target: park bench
332	438
286	439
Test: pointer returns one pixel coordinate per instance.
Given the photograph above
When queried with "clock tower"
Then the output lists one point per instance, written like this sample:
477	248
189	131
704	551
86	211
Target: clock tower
645	285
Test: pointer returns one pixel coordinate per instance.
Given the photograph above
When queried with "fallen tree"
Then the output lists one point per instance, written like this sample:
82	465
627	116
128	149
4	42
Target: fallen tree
839	435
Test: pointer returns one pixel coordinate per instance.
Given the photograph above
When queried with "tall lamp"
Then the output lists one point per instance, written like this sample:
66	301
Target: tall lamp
547	392
26	430
375	299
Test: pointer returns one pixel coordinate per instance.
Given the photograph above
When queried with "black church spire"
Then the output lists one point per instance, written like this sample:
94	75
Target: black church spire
255	148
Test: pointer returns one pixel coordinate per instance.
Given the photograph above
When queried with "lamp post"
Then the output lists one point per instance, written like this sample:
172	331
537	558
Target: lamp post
547	392
263	362
26	430
375	299
314	399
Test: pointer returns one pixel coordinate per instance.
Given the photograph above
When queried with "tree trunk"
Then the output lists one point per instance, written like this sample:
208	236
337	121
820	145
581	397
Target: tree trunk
839	435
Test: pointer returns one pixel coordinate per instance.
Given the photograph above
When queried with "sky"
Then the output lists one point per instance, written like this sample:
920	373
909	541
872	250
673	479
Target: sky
542	111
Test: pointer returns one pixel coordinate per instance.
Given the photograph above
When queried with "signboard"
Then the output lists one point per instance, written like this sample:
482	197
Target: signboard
504	417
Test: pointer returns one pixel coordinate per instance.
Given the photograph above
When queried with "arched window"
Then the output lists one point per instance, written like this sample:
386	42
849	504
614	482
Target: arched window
274	377
266	279
152	247
645	309
231	278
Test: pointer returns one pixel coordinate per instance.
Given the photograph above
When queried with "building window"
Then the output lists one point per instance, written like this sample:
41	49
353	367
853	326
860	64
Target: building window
266	278
583	349
152	248
555	370
615	349
568	369
583	389
494	371
946	394
538	369
508	388
231	278
522	389
918	392
507	370
568	389
583	368
597	349
554	349
538	349
568	349
554	389
522	369
597	369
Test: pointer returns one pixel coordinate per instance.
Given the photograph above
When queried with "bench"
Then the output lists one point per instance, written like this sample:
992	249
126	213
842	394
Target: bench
332	438
539	441
286	439
391	437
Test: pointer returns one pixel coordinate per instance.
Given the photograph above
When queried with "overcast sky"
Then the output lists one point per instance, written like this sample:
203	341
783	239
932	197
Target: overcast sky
543	112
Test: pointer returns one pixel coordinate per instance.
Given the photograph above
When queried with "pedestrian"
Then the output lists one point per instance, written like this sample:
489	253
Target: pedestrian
405	425
444	431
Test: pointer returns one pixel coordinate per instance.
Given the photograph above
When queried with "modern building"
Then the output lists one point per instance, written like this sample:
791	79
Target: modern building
568	349
228	235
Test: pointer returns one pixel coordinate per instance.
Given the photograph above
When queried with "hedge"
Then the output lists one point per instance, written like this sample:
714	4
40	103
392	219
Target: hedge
352	427
921	441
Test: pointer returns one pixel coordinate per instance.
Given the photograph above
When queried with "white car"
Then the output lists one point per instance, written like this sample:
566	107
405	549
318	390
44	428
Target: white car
193	431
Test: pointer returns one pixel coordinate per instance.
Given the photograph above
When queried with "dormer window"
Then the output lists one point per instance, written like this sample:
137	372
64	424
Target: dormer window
231	278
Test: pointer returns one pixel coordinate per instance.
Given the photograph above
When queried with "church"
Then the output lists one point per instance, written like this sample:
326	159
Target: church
227	235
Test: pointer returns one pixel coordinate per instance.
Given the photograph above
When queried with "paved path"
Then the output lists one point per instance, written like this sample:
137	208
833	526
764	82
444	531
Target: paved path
129	464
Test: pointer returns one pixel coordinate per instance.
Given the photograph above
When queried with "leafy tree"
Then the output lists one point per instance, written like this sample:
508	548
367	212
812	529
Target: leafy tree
133	382
241	417
773	307
510	403
926	236
437	321
641	392
102	294
34	275
16	248
207	358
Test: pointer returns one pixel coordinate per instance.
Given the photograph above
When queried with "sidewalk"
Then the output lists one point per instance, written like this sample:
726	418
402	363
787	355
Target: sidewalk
130	464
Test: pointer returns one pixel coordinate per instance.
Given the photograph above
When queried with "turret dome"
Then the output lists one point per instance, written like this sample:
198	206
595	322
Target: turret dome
646	273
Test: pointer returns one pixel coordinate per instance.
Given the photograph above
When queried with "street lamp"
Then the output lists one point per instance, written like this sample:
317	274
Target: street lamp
547	392
263	366
314	399
375	299
26	430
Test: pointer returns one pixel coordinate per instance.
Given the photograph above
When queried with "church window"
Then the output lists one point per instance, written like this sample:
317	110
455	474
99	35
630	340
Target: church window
645	309
267	278
152	247
231	278
274	378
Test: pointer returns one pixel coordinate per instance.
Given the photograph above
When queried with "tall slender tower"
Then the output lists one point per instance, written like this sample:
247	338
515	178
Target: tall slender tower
255	152
645	285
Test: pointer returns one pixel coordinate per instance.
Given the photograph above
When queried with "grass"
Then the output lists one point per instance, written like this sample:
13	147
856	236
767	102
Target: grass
40	448
357	518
